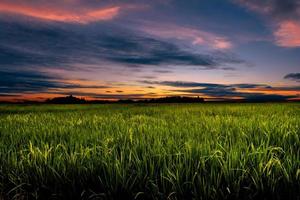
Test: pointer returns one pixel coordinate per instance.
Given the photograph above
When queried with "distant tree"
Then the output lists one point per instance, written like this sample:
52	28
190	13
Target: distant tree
66	100
172	99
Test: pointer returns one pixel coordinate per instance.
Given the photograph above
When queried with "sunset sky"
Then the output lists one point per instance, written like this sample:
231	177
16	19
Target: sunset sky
136	49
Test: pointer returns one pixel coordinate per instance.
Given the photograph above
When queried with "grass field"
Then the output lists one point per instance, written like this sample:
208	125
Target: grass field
179	151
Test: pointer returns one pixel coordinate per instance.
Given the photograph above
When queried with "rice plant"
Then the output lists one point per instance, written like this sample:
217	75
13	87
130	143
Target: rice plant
150	151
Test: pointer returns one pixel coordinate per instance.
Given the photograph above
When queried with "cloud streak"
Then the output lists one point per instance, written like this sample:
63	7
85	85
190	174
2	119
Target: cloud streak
58	13
251	92
293	77
36	82
185	84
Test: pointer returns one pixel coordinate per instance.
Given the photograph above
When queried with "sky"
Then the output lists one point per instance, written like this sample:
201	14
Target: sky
137	49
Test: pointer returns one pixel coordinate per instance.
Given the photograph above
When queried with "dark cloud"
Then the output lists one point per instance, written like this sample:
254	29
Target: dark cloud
37	45
148	51
250	86
33	81
221	91
162	71
148	77
286	88
280	9
54	45
229	68
197	84
213	91
284	8
229	92
293	77
24	81
10	95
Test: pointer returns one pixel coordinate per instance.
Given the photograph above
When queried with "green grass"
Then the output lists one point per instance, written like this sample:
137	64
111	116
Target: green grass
176	151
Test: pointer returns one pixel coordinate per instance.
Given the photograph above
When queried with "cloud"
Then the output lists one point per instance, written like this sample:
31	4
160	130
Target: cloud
288	34
194	36
221	43
148	77
10	95
60	11
227	91
14	82
230	92
163	71
229	58
150	51
284	15
185	84
50	45
280	9
293	77
250	86
228	68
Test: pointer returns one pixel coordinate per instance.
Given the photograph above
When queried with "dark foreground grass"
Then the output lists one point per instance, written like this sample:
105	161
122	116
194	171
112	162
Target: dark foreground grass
186	151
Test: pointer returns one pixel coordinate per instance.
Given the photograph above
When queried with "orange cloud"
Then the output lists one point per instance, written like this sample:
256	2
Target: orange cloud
288	34
221	43
56	14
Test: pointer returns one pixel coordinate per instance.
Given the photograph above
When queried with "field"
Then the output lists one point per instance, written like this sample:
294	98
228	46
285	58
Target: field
150	151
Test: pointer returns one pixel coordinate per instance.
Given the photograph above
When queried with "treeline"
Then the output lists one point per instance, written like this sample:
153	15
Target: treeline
174	99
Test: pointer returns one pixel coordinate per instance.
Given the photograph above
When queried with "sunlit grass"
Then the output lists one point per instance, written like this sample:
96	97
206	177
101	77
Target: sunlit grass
179	151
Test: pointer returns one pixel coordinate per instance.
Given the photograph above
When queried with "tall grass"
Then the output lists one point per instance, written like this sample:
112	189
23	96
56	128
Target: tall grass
186	151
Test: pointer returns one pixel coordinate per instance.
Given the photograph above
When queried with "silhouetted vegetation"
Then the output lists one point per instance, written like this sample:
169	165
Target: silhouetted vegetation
170	99
173	99
66	100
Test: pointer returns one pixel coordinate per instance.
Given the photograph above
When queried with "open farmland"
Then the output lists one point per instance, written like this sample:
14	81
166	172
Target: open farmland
150	151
